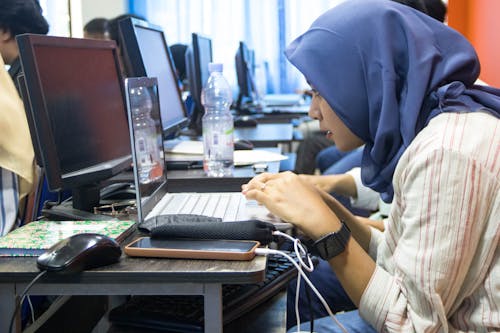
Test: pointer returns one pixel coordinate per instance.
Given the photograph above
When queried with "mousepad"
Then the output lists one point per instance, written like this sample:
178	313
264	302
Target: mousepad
36	237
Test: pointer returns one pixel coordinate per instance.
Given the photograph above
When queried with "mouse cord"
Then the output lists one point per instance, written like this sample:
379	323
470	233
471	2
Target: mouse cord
25	291
31	307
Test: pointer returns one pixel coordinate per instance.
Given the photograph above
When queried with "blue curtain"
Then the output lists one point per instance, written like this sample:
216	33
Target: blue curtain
266	26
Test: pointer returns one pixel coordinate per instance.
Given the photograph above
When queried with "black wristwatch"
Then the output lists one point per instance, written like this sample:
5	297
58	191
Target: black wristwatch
333	244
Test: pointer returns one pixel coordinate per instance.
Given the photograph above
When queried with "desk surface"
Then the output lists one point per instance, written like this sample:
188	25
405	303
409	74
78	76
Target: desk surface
266	135
142	270
195	180
133	276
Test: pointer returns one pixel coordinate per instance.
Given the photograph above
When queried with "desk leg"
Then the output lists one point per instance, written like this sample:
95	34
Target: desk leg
213	308
7	305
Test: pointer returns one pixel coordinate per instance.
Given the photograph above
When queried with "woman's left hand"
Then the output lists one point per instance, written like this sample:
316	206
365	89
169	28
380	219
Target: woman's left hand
292	199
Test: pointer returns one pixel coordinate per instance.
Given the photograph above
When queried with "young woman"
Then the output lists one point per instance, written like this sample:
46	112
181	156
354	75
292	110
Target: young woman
401	83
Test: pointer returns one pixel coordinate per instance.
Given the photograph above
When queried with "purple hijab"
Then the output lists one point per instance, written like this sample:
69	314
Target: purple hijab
386	70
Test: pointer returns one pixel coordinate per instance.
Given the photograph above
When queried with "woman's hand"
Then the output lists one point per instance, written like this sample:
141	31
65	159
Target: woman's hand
294	200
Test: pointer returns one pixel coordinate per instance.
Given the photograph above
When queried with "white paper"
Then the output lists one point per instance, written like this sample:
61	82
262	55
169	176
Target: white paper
248	157
184	147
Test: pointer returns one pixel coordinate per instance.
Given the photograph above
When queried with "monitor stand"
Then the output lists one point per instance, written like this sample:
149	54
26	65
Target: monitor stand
81	206
64	212
86	197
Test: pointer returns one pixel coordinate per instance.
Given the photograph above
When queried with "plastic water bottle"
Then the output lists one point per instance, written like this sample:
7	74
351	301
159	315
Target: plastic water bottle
217	124
147	152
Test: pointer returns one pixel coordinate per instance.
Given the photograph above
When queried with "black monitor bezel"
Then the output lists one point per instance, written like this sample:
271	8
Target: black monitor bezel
193	71
39	115
135	67
244	75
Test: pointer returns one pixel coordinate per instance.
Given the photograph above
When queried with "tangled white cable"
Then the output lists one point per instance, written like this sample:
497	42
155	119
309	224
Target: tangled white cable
300	252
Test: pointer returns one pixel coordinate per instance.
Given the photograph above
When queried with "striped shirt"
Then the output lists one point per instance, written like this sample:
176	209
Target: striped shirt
438	262
9	201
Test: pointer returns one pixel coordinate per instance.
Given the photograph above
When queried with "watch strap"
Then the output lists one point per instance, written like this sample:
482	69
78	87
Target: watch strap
333	244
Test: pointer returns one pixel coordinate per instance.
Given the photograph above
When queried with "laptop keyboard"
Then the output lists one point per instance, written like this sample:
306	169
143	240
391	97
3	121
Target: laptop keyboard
221	205
229	206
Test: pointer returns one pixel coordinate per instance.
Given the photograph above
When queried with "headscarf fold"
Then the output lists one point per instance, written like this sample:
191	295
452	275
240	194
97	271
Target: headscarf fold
16	149
386	70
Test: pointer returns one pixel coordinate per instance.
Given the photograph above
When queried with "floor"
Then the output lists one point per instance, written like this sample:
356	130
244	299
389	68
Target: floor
268	318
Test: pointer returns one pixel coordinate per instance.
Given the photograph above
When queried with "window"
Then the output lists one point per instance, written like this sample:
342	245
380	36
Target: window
57	14
257	22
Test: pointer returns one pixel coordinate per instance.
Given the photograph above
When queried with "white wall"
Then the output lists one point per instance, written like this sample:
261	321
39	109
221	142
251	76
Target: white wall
99	8
90	9
60	14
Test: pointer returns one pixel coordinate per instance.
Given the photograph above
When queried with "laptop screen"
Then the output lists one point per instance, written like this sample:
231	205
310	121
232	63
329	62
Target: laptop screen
143	110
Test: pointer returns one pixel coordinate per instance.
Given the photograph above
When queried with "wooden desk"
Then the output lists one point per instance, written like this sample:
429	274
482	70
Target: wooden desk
138	276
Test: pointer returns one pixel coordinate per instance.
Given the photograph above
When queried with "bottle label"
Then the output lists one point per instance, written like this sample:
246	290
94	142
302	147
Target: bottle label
218	147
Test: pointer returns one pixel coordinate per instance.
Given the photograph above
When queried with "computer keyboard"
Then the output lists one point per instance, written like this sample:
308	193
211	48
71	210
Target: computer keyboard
185	313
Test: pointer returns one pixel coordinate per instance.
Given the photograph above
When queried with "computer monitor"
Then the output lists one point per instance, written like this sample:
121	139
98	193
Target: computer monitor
146	54
198	56
244	61
76	112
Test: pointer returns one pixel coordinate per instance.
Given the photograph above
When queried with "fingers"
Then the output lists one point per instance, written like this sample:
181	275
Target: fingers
258	194
258	182
254	185
261	183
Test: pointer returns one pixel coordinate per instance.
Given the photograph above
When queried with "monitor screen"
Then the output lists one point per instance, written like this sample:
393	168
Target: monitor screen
198	56
77	110
244	61
147	54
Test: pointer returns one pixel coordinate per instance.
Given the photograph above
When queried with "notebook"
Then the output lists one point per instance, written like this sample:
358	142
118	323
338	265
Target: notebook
150	174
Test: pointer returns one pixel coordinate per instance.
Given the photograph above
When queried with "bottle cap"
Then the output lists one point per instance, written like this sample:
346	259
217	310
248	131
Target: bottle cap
215	67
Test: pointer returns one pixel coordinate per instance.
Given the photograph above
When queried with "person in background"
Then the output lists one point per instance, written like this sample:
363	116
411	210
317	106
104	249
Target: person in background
97	28
436	9
18	17
178	52
431	141
17	161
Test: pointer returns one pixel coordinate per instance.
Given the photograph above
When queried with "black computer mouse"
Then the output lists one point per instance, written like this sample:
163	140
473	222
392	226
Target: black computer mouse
80	252
245	121
243	145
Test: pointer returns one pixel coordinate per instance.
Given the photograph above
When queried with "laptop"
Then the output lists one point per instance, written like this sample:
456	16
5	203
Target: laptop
150	173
